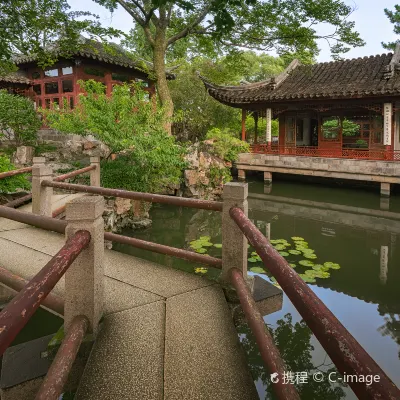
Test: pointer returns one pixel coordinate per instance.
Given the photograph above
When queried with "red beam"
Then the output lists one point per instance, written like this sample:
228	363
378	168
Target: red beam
346	353
269	352
15	172
74	173
57	376
15	282
152	198
18	312
17	202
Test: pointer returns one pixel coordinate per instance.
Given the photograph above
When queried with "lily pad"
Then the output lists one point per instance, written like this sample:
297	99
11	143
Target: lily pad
302	244
252	260
280	247
297	239
283	253
218	245
310	256
200	270
292	265
206	238
257	270
196	246
207	244
318	267
331	265
306	263
201	250
307	278
322	274
295	252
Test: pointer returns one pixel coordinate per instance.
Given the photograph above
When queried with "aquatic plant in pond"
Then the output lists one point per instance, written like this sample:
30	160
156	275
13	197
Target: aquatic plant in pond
302	252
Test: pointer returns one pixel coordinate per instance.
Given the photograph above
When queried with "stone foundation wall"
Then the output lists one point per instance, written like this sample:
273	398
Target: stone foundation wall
367	170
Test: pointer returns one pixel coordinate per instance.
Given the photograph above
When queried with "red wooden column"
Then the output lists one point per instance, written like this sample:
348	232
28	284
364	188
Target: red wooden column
244	124
255	116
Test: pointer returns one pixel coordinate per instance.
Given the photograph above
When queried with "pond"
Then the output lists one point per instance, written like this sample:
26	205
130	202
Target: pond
351	230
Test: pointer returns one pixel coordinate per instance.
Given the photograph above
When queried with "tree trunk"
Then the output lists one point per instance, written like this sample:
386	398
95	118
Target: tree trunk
160	71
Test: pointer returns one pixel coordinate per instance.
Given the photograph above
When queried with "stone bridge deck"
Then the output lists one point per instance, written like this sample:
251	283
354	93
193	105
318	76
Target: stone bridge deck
166	334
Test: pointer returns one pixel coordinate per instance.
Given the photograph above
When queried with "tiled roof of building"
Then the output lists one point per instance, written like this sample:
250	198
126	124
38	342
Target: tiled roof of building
361	77
14	77
109	53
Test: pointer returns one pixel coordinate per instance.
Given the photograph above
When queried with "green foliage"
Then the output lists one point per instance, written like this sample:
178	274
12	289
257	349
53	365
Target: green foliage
115	120
11	184
394	18
362	143
350	128
46	28
18	119
155	162
225	145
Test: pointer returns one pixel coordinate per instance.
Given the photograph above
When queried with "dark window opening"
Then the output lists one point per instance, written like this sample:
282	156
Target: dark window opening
37	89
51	72
47	103
36	75
67	86
93	71
71	103
67	70
120	77
51	87
56	103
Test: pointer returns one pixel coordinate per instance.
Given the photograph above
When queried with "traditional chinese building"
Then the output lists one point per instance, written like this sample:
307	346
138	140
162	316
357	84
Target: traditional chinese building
58	84
333	118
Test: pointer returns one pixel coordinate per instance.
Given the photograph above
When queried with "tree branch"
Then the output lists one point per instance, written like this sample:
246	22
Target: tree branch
132	13
183	33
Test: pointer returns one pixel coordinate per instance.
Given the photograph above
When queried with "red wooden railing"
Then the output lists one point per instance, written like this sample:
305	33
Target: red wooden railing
313	151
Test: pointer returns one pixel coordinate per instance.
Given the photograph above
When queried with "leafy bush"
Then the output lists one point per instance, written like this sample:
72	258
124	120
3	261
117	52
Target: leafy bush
154	162
226	146
11	184
18	119
115	120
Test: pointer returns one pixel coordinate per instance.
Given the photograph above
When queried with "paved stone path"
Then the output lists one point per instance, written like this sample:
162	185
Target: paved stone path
167	334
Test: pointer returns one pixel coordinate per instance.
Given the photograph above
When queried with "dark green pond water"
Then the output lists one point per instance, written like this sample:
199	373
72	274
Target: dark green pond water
352	228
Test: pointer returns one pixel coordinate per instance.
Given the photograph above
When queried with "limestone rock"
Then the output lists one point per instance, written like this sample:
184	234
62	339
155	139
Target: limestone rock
122	206
24	155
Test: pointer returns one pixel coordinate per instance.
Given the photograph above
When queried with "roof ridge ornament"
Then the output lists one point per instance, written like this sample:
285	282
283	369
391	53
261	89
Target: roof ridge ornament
394	64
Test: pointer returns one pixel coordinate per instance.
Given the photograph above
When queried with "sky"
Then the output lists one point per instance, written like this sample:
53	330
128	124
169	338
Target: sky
371	23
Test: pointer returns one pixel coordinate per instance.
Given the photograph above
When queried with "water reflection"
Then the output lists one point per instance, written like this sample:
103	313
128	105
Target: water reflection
342	226
294	341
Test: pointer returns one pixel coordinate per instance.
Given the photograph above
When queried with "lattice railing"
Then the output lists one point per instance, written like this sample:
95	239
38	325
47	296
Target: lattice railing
312	151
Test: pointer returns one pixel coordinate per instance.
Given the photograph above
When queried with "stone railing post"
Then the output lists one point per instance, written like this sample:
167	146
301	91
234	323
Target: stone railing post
41	195
95	173
39	160
234	243
84	278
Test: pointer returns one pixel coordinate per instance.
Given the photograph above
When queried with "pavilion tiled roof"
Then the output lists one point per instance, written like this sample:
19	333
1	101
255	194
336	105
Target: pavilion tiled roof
108	53
15	78
356	78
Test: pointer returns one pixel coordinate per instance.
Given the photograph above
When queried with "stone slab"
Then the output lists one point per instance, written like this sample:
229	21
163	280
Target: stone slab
23	362
127	358
155	278
8	225
119	296
203	357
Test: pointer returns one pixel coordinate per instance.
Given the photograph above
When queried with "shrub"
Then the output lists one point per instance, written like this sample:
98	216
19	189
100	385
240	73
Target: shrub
155	162
226	146
11	184
18	119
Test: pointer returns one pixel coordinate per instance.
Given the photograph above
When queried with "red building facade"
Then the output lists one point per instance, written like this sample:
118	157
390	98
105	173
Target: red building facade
348	109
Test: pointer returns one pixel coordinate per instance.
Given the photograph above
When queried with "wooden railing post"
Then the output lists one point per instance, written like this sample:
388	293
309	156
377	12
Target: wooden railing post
41	195
84	279
95	173
234	243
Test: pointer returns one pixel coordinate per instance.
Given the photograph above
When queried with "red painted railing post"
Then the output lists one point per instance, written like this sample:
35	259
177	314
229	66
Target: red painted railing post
41	195
95	173
84	279
234	243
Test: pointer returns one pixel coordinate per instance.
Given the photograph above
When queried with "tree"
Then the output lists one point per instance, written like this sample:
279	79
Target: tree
286	25
12	183
394	18
18	119
46	28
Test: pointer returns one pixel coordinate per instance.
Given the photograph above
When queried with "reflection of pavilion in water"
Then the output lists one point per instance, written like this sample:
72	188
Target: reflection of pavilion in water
341	232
